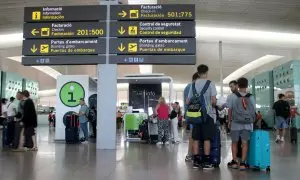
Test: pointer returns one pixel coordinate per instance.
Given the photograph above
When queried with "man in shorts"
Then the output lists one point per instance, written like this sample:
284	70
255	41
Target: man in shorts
282	112
239	130
189	156
205	131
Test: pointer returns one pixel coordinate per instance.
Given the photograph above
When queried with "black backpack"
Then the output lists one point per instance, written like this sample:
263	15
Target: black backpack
197	110
92	116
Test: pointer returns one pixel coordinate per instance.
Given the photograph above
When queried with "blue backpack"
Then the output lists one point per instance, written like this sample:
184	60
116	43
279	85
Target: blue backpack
196	110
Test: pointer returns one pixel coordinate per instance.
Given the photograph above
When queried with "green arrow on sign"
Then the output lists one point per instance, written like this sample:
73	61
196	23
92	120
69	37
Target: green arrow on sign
121	47
123	14
33	49
34	32
122	30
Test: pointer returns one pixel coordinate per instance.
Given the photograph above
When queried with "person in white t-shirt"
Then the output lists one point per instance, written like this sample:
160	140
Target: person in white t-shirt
3	112
11	120
11	109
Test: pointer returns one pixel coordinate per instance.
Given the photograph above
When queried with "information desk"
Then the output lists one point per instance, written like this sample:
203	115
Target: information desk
132	122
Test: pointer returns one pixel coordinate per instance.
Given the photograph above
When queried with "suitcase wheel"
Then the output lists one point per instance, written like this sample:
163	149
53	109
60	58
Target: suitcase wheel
256	168
216	165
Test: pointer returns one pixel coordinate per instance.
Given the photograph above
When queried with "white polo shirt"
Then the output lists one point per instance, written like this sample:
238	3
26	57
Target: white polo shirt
11	109
3	110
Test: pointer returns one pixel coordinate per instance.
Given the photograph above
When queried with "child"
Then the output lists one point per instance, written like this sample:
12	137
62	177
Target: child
241	118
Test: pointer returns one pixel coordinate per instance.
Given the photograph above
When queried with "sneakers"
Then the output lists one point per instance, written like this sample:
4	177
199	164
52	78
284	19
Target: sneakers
277	140
282	139
188	158
167	143
233	164
196	165
159	143
207	166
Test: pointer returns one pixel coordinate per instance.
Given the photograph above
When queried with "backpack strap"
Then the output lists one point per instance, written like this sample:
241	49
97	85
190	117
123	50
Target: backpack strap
248	95
194	89
238	94
205	87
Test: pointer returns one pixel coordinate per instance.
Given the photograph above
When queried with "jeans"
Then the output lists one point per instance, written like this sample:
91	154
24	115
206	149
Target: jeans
84	128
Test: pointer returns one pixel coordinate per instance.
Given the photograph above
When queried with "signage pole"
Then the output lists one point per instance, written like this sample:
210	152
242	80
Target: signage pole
106	95
221	68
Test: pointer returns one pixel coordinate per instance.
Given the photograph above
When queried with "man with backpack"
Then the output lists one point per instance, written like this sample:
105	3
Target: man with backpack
201	113
241	116
282	112
189	156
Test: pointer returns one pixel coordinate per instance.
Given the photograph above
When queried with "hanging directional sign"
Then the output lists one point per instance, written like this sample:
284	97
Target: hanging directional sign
65	13
153	46
63	60
150	59
153	28
139	34
64	29
64	46
153	12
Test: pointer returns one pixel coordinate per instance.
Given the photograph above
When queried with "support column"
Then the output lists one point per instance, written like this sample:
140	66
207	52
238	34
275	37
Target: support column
106	106
106	95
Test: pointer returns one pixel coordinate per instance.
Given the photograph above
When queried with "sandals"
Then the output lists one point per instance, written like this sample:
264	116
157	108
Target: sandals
33	149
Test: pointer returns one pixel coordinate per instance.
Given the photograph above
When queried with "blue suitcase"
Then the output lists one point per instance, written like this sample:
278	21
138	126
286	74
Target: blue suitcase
259	150
215	149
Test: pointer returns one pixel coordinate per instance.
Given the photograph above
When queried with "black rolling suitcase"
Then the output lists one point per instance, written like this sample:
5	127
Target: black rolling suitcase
239	148
5	135
293	132
72	129
215	149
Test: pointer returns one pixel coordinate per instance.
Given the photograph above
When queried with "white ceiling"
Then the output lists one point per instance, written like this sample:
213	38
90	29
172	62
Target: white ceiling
267	15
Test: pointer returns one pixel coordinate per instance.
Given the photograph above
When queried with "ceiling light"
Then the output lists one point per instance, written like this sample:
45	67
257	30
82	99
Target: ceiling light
45	69
247	36
8	40
142	1
251	66
47	93
146	69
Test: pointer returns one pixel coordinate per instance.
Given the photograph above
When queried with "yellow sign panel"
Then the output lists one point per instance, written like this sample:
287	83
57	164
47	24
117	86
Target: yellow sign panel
133	30
134	14
44	48
132	47
36	15
45	32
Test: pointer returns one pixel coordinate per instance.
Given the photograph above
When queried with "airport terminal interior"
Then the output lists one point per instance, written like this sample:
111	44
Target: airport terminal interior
100	72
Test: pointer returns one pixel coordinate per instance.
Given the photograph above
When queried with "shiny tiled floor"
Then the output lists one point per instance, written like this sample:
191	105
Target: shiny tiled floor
57	161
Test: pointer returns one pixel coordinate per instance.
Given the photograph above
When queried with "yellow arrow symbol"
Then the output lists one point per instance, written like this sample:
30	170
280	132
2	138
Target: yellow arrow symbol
34	32
33	49
121	47
122	30
123	14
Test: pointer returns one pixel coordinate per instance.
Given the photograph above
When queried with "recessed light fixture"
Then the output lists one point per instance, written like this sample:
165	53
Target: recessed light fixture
251	66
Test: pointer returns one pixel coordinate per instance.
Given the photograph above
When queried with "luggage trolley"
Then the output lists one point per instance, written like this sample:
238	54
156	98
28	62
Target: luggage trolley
152	130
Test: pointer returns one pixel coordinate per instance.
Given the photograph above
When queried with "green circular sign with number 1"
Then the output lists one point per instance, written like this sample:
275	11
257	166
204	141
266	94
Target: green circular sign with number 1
70	94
